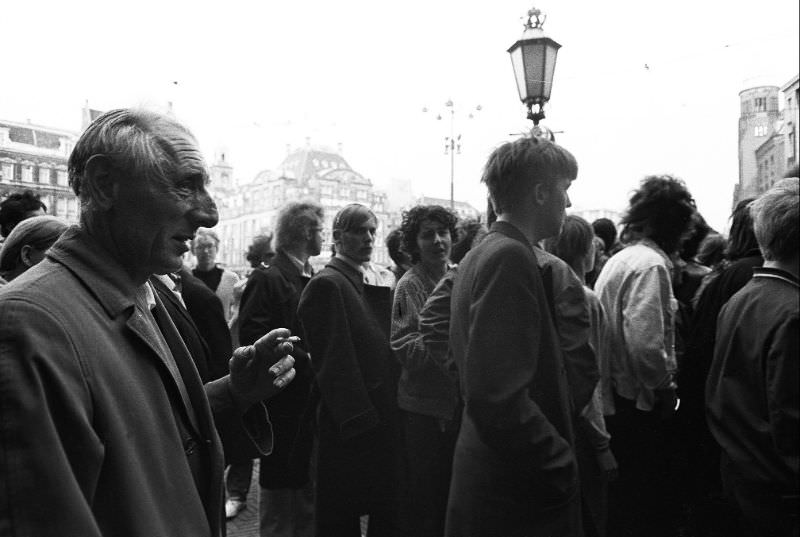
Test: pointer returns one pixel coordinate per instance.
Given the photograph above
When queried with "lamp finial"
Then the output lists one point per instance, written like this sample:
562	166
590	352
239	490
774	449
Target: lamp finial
535	18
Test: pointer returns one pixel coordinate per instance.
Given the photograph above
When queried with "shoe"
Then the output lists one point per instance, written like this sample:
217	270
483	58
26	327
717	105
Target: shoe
233	507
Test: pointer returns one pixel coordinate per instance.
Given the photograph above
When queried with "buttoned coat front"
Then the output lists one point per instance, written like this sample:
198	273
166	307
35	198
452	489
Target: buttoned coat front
103	430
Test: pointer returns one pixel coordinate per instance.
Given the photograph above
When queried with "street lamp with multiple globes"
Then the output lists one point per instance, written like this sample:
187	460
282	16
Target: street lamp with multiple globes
533	58
452	143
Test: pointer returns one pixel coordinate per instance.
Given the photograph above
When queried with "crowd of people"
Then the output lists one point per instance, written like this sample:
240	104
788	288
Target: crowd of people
531	374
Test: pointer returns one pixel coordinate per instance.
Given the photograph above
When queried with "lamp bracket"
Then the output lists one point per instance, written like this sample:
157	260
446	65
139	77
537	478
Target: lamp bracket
537	116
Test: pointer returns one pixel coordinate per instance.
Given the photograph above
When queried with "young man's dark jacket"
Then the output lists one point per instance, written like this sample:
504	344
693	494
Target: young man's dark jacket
270	301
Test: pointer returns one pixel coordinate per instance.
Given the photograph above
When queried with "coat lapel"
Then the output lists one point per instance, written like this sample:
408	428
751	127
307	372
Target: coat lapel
147	333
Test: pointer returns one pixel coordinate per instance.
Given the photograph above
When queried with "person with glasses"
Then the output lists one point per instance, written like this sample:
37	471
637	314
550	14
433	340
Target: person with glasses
270	300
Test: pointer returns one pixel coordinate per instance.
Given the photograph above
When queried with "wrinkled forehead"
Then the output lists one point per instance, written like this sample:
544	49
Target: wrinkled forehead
188	159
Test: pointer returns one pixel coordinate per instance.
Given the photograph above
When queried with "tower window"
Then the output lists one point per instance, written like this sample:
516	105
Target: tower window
761	104
760	130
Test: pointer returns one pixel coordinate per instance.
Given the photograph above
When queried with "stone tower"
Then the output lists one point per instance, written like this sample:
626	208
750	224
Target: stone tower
221	173
759	112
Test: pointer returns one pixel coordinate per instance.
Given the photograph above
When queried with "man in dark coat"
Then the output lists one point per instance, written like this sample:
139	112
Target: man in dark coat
346	323
105	425
753	389
514	470
270	300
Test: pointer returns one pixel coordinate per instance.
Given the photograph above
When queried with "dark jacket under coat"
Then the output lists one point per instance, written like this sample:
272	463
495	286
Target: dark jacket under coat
270	301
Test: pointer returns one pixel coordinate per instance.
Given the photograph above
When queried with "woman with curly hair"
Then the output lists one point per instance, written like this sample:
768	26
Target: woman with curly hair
426	394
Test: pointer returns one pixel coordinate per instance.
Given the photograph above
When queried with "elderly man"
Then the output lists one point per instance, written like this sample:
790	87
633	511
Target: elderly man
205	247
105	426
752	389
514	469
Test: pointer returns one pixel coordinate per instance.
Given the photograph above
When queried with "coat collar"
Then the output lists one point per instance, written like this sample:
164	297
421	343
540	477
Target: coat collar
511	231
286	267
355	276
103	275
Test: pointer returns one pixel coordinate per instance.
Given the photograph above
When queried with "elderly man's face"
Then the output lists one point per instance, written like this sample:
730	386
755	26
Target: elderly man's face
152	223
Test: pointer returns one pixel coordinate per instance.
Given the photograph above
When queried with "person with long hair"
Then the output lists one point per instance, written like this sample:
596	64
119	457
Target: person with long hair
635	288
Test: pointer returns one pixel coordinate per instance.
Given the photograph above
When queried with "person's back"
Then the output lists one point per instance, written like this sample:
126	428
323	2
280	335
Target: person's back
753	387
514	469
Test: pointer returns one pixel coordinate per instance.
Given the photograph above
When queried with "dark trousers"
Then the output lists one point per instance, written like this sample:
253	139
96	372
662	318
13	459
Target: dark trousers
429	450
380	524
642	500
237	482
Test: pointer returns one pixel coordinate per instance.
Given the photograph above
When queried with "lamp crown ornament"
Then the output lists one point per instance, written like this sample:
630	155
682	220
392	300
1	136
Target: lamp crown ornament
535	18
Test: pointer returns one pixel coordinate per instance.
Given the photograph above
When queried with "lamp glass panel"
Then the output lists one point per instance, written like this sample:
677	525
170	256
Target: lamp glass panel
519	71
534	58
549	69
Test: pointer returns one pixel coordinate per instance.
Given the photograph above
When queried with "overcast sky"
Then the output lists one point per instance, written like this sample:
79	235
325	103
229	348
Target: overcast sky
640	87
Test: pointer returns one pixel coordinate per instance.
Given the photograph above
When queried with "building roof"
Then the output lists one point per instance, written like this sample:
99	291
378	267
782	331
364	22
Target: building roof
792	82
314	163
52	130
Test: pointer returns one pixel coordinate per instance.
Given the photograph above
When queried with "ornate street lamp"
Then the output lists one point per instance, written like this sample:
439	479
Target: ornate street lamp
533	57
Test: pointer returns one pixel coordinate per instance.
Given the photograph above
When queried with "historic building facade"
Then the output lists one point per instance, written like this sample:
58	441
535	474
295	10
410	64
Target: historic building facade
768	144
315	174
34	157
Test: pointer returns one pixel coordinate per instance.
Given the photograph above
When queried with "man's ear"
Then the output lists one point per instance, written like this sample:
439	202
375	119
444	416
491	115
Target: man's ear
337	234
100	181
541	194
25	255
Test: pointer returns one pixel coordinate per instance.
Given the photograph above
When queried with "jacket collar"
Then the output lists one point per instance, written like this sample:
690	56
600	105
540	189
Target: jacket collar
286	266
103	275
511	231
355	276
650	243
777	274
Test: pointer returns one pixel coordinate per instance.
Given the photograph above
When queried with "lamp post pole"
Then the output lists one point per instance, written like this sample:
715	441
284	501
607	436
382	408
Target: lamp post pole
452	153
452	144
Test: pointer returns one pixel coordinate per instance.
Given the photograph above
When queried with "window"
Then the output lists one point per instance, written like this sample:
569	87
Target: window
7	172
761	104
17	172
760	130
62	178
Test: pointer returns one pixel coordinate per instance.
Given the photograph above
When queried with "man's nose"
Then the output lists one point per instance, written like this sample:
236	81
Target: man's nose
204	213
569	203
